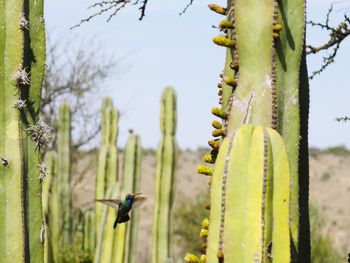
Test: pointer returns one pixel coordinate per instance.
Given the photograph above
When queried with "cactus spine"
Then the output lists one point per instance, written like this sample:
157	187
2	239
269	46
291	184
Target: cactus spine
165	179
264	83
22	65
64	173
107	160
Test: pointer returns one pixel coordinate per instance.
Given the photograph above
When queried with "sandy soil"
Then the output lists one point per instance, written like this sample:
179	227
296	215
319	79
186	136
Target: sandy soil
329	190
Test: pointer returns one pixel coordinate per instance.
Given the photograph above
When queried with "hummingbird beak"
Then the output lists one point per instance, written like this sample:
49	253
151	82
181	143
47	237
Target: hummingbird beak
137	194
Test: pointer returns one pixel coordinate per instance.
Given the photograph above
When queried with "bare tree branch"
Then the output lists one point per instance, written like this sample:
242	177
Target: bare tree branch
113	7
343	119
186	7
76	76
336	36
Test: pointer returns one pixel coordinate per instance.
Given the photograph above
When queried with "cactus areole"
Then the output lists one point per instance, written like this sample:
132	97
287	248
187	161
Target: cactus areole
261	145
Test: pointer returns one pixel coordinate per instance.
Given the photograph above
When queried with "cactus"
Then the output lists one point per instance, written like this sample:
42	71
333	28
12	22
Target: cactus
165	179
106	232
64	173
107	161
23	136
264	83
131	184
89	232
119	245
47	196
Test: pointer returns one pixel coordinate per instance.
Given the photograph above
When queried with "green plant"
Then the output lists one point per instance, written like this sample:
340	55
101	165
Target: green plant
322	250
119	245
165	179
107	171
63	178
264	83
23	135
189	213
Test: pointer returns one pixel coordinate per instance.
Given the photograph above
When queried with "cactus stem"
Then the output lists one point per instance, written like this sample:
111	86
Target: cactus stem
20	104
207	206
219	85
217	9
224	41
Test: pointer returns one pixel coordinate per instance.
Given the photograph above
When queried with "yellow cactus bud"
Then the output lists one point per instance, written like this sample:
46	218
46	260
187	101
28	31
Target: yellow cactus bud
230	81
220	92
275	35
217	9
225	24
202	169
234	66
218	132
190	258
204	232
224	41
214	144
203	258
216	124
277	28
210	181
219	85
220	255
219	113
205	223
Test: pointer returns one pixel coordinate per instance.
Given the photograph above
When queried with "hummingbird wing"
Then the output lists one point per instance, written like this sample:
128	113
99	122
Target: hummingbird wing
138	200
114	203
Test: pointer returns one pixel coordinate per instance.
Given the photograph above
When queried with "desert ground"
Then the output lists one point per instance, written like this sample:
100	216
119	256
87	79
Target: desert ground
329	190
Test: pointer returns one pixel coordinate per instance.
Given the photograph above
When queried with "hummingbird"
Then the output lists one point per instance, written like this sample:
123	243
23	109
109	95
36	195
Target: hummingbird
123	206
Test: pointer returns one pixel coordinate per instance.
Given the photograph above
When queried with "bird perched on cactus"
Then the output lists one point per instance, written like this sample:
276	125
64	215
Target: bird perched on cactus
124	206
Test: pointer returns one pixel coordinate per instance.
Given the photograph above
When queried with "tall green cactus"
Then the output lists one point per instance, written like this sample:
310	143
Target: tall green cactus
64	173
107	171
89	232
23	136
47	196
165	179
119	245
131	184
264	83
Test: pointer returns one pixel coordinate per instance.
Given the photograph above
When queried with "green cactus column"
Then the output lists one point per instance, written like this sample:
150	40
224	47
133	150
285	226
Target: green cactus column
125	236
23	136
264	83
165	179
64	173
107	171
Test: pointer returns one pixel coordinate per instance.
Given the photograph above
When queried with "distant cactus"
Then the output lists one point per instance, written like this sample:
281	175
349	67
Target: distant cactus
165	179
119	245
64	173
107	171
264	83
23	137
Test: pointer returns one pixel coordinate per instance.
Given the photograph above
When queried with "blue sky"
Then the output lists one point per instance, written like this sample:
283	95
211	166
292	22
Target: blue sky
168	49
